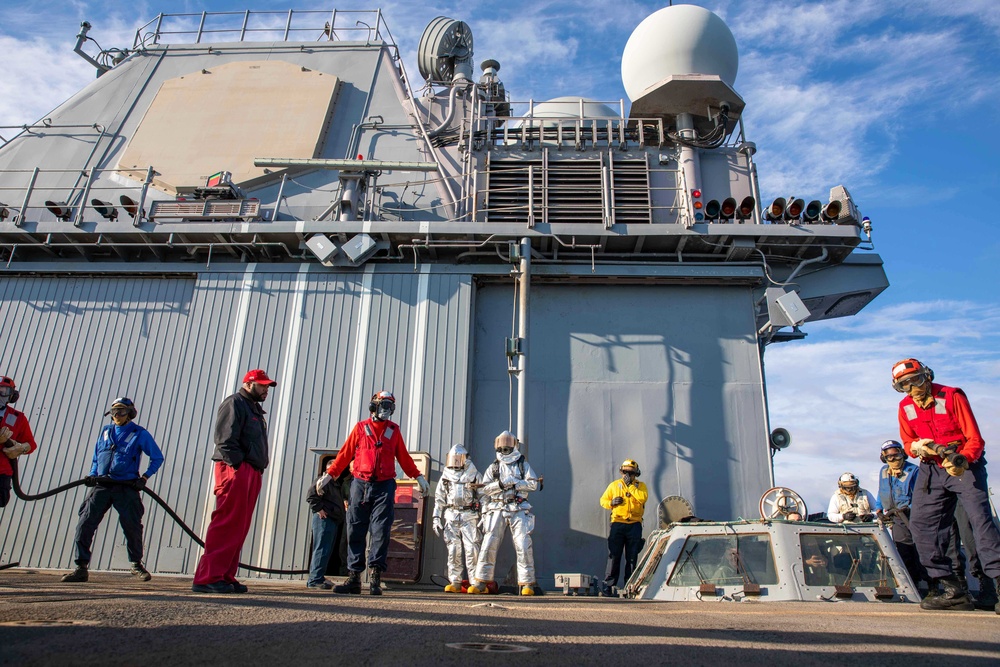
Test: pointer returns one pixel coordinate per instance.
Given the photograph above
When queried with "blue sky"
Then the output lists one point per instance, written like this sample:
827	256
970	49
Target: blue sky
893	99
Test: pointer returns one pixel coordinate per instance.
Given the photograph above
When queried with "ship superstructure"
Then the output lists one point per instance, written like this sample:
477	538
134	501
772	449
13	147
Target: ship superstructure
275	191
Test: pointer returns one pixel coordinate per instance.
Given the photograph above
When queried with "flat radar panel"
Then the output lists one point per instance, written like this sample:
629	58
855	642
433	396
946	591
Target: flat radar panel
214	120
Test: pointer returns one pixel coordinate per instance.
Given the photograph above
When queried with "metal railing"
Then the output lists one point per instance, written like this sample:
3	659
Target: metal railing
261	26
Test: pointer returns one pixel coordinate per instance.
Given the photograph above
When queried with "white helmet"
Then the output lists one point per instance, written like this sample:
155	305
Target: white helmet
848	483
457	458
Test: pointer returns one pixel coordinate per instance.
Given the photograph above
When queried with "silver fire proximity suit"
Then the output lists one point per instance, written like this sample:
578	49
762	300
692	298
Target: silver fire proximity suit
506	485
456	519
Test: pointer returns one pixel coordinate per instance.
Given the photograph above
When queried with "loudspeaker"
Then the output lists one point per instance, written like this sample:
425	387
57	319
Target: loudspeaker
780	439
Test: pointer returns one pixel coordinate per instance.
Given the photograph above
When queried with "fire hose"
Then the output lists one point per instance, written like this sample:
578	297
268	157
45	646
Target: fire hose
106	481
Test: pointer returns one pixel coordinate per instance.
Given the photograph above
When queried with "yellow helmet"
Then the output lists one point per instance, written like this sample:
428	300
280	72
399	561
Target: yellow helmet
630	466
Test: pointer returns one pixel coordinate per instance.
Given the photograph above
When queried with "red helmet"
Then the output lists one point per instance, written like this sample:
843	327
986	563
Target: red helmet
910	370
380	396
9	382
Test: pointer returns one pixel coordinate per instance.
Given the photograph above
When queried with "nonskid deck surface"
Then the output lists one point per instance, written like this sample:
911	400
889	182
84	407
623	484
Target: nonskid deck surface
114	619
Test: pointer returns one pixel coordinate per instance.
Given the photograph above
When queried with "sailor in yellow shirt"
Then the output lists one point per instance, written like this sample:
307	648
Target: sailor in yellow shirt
626	498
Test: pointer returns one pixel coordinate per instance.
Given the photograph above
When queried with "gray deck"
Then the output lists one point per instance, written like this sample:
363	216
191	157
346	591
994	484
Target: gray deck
123	621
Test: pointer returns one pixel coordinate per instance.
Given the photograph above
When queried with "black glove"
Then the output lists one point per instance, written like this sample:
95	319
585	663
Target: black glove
90	480
850	516
868	517
139	484
616	501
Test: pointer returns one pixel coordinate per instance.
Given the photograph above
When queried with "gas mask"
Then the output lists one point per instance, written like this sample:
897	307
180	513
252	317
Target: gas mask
383	410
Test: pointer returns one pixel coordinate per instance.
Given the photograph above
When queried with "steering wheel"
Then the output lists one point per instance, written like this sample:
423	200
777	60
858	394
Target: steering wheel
778	502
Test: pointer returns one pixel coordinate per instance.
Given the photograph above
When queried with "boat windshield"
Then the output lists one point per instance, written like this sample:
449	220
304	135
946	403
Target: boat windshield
725	560
844	559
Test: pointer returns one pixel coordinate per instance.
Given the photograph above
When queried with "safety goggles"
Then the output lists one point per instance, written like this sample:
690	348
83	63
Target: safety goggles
505	450
386	405
914	381
849	488
894	457
119	412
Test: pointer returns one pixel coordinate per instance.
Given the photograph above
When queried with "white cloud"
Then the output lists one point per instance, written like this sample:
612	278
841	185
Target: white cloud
832	391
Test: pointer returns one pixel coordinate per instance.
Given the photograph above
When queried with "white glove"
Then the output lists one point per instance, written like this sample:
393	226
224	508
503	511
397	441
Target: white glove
15	449
918	447
5	434
437	526
322	482
425	488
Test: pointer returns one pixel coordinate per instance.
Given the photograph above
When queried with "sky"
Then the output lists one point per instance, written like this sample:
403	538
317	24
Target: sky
892	99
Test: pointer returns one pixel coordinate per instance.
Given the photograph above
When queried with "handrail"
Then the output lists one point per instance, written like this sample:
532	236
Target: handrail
256	25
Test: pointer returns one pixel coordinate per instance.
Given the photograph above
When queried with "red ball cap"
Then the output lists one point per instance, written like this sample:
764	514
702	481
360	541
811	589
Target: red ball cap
259	376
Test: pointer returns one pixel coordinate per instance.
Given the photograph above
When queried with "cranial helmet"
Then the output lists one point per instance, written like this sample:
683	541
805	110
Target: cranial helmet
848	483
123	402
505	443
629	466
458	457
887	445
910	371
382	404
14	393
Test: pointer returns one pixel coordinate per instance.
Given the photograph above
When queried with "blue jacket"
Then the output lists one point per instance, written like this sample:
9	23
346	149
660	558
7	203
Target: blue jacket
896	491
119	449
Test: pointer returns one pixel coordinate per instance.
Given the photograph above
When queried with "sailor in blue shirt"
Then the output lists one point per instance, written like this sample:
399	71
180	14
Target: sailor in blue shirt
114	476
896	482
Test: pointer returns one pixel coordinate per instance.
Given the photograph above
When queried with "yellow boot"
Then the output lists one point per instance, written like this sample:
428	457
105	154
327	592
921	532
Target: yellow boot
528	589
477	589
453	588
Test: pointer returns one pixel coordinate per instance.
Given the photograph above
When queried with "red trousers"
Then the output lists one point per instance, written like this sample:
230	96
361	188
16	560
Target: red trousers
236	494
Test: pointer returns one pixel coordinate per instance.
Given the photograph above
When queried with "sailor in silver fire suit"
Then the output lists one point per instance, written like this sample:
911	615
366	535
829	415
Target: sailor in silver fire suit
456	515
506	484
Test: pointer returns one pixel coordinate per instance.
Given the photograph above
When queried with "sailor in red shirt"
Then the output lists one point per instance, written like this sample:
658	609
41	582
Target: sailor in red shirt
15	435
932	416
372	449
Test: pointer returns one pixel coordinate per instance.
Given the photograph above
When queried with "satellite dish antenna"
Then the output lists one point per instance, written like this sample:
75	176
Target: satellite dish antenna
673	509
444	53
780	439
780	502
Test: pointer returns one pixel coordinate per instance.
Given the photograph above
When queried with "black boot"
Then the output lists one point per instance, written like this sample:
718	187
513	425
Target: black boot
375	587
954	597
351	586
79	574
987	596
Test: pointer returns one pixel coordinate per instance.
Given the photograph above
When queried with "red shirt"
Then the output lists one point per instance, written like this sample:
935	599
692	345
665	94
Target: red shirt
18	424
930	422
373	447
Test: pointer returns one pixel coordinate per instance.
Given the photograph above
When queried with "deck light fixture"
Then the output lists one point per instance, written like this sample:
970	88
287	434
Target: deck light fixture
746	208
60	209
812	211
728	208
106	209
712	209
832	211
776	210
794	209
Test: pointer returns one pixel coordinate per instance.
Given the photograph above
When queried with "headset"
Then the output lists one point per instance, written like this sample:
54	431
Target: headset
14	393
890	444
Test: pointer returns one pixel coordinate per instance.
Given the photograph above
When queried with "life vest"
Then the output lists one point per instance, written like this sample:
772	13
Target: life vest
367	464
858	504
937	421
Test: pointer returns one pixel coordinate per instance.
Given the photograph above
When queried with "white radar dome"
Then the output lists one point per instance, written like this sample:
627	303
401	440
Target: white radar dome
677	40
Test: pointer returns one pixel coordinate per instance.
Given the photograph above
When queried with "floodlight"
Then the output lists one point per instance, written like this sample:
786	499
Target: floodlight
812	211
130	206
794	209
776	209
848	211
832	211
712	209
106	209
728	208
60	209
